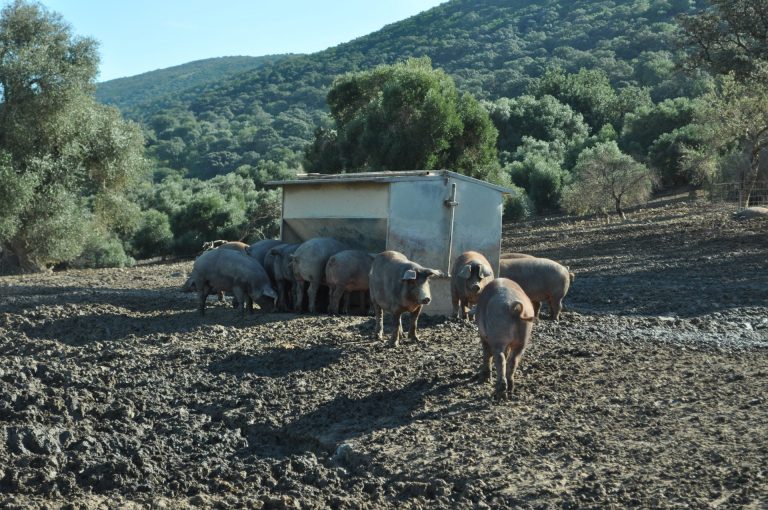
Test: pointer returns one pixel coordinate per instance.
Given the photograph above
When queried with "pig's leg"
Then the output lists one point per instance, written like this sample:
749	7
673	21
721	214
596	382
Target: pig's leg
513	360
202	296
239	298
336	293
500	362
298	292
347	299
536	308
484	374
464	305
312	296
414	323
281	299
395	340
378	316
456	301
555	306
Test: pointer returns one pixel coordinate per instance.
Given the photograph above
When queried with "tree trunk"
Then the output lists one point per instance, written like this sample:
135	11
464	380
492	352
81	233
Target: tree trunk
754	169
618	209
15	259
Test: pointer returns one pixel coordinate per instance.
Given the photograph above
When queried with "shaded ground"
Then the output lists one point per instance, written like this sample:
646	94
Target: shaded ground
650	392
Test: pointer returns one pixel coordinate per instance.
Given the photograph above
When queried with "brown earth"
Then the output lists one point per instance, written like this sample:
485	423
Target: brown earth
649	393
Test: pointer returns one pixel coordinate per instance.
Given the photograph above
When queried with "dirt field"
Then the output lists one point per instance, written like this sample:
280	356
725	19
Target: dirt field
650	392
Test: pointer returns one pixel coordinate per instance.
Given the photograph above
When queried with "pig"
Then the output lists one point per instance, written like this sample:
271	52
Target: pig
282	269
471	272
541	279
260	249
398	285
752	212
504	321
346	272
309	262
231	271
189	285
227	245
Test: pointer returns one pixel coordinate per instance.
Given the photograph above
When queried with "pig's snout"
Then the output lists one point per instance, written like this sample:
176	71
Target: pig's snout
426	300
475	287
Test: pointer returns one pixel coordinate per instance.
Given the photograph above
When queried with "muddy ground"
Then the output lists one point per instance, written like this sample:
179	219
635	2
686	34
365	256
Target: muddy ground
650	392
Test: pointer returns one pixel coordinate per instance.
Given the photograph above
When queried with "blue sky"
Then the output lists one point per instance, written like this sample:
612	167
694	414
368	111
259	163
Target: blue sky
137	36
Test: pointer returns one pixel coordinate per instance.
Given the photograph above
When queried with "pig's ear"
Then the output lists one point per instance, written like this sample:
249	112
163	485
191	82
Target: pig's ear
434	272
410	274
465	272
519	308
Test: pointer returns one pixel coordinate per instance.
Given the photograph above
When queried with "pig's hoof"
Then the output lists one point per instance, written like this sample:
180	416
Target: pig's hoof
483	377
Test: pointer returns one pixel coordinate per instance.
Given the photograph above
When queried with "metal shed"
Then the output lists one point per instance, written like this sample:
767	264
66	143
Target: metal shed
429	216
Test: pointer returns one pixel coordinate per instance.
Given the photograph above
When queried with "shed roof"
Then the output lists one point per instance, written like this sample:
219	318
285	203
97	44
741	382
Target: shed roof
383	177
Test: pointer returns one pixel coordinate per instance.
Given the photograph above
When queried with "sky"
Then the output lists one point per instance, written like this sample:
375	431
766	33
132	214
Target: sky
136	36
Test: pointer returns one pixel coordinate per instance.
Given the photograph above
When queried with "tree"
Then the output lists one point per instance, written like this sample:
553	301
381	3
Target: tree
736	115
732	36
588	92
403	117
606	178
544	119
646	125
60	151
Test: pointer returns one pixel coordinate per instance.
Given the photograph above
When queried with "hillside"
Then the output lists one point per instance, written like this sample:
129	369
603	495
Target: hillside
491	48
132	94
648	393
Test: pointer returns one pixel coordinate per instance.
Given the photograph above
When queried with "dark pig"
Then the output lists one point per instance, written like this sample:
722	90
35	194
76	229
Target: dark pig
282	269
504	318
398	285
346	272
309	262
231	271
471	272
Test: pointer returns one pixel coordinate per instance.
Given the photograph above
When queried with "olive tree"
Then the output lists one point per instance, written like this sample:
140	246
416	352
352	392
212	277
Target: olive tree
605	179
64	158
735	117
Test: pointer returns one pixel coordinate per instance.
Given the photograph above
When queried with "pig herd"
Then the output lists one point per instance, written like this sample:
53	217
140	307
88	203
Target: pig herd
288	277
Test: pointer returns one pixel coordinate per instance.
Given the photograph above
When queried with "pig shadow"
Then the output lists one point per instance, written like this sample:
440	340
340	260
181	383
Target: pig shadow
344	418
23	297
278	362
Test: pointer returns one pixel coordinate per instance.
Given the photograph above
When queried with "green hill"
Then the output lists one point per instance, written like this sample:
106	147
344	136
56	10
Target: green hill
129	94
491	48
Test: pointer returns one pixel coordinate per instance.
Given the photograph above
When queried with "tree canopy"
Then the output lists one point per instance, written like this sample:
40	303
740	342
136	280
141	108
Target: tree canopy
404	116
65	159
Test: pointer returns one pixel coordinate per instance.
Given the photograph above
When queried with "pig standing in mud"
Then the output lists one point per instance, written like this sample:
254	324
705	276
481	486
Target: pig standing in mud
504	321
398	285
309	262
541	279
347	272
282	271
231	271
471	272
189	285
